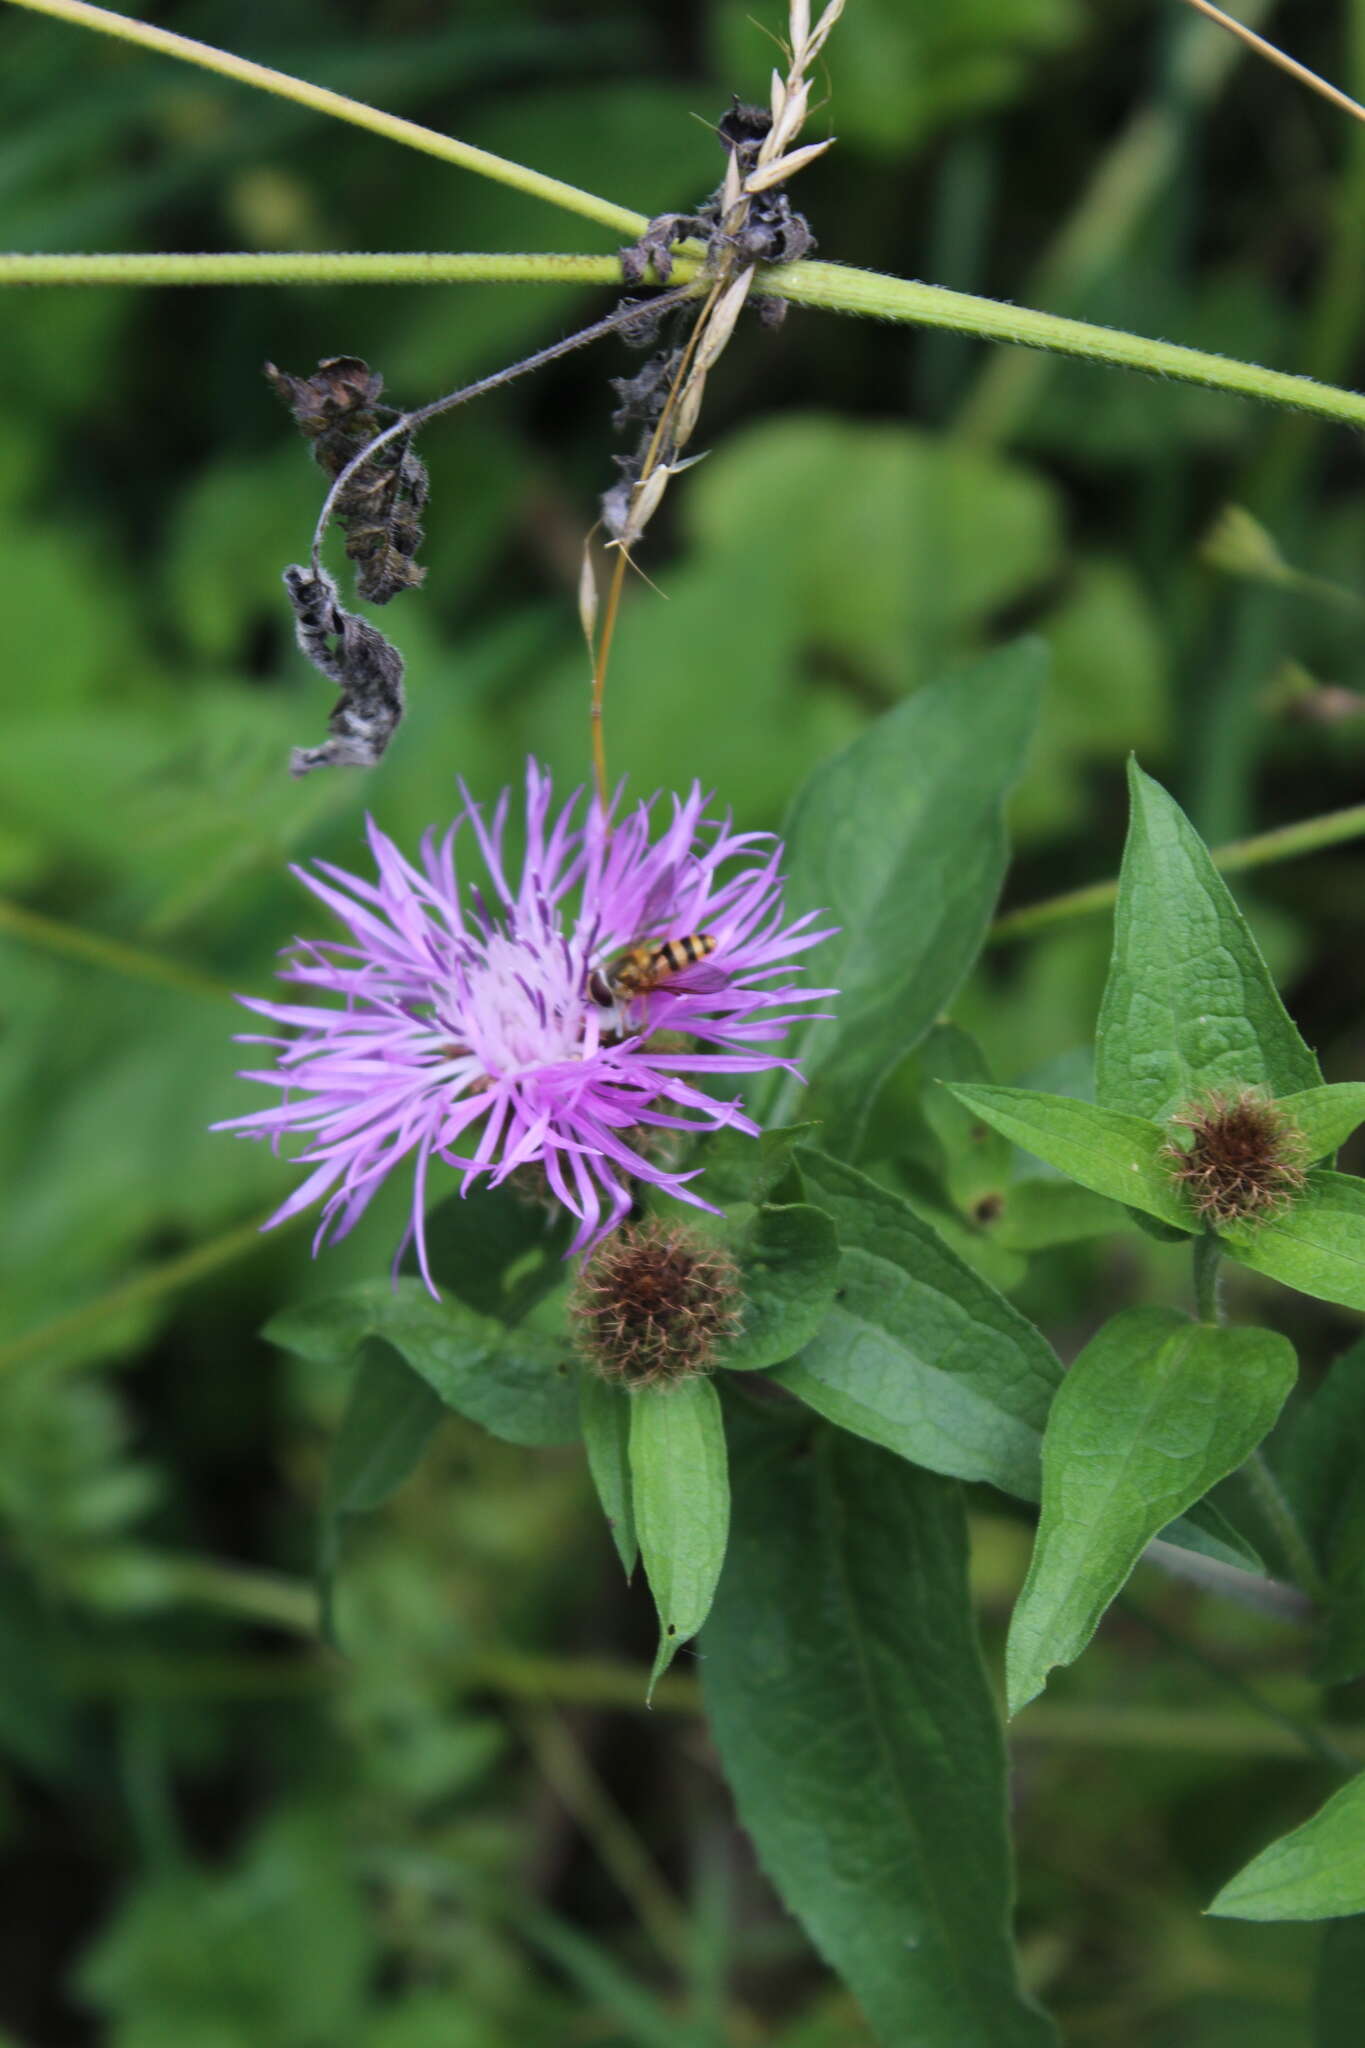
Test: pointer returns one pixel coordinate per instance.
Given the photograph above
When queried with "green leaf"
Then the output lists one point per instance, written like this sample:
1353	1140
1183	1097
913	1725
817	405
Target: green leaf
681	1490
388	1422
1315	1873
739	1168
789	1259
1189	1006
1039	1214
1326	1117
978	1161
918	1353
1112	1154
605	1416
900	841
497	1253
390	1417
1317	1244
1320	1462
1339	1994
846	1694
519	1384
1155	1411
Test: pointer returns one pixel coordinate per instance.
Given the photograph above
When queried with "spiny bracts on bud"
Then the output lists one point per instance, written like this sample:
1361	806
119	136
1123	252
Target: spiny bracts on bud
653	1304
1244	1160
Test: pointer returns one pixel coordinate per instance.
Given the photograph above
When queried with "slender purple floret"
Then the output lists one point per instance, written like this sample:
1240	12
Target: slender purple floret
470	1025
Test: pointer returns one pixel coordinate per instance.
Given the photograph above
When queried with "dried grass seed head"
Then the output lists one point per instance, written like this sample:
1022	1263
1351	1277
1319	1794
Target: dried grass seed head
1244	1161
653	1304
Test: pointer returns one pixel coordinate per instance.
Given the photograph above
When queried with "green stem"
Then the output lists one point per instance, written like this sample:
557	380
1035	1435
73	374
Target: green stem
95	950
321	101
1286	842
836	289
567	1770
146	1287
1189	1730
1207	1254
1269	1497
319	267
829	286
1123	185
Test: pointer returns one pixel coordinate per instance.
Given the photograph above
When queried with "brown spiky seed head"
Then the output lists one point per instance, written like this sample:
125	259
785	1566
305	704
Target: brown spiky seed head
653	1303
1244	1160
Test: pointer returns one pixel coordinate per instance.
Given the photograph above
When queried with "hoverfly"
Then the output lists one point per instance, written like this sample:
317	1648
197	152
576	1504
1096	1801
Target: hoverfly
673	966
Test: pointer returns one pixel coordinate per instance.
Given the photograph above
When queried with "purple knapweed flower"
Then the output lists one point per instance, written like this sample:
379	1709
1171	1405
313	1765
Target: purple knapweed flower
481	1025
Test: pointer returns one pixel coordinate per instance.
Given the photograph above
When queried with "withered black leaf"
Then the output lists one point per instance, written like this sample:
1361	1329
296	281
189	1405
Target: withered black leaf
338	410
355	655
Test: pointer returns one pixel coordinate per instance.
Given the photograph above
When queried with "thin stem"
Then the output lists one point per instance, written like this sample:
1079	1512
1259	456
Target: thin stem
146	1287
1303	1733
1286	842
832	287
1189	1731
409	422
398	266
1123	183
619	1850
93	949
1278	58
837	289
1208	1300
1269	1496
611	611
321	101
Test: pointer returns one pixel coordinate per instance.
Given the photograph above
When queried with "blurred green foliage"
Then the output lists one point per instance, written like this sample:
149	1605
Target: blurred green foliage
217	1831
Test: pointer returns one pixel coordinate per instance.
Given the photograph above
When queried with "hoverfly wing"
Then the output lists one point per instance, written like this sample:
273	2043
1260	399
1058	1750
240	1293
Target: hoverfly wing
700	979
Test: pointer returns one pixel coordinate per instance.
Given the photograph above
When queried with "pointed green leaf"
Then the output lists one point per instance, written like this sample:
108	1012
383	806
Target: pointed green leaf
1325	1117
1321	1466
498	1253
1108	1152
390	1417
388	1421
900	841
918	1352
1041	1213
1189	1006
978	1161
1317	1244
1155	1411
789	1260
739	1168
605	1415
1315	1873
519	1384
846	1694
681	1490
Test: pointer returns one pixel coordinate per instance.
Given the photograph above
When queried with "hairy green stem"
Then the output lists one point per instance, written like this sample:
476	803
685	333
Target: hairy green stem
239	267
837	289
341	108
1286	842
1120	192
1208	1253
831	287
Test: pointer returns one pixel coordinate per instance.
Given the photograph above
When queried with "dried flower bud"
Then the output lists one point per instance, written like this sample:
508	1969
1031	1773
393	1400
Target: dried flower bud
338	410
1244	1161
352	653
653	1303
